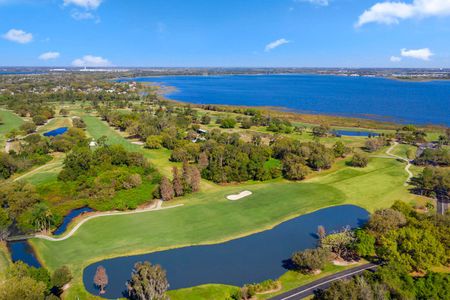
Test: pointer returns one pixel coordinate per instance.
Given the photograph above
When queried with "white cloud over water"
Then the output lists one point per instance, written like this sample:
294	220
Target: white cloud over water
395	59
276	44
18	36
49	55
91	61
393	12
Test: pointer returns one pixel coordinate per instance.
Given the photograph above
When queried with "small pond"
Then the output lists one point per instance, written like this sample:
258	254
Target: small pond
21	250
69	217
254	258
354	133
56	131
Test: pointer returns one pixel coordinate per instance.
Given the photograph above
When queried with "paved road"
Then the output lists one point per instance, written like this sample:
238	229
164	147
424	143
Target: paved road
322	284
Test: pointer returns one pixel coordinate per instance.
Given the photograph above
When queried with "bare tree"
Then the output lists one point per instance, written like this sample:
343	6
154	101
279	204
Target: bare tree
101	279
177	183
166	189
195	179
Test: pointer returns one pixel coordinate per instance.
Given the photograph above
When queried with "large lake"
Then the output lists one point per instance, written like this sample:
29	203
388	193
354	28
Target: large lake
375	98
254	258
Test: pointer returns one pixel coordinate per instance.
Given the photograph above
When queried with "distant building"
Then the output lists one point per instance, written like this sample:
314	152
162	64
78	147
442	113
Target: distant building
93	143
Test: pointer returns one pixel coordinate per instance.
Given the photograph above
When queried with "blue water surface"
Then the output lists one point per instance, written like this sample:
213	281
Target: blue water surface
355	133
56	131
69	217
367	97
21	250
254	258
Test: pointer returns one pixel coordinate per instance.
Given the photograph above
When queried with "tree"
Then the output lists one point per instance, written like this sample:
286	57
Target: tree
310	259
195	179
39	119
364	244
340	243
384	220
153	142
23	288
42	217
228	123
374	144
148	282
340	150
415	248
5	222
61	277
166	189
294	167
206	119
63	112
28	127
203	160
321	233
320	131
359	160
101	279
177	183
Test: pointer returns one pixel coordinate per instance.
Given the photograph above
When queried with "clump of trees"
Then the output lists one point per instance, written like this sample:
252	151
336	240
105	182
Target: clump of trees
434	157
181	184
433	182
147	282
29	283
359	160
375	143
310	260
100	173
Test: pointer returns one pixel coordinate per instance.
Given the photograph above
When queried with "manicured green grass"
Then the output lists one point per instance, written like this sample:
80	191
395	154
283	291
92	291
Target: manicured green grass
9	121
402	150
203	292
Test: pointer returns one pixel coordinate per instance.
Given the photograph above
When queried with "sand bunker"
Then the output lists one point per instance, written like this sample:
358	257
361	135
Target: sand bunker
239	196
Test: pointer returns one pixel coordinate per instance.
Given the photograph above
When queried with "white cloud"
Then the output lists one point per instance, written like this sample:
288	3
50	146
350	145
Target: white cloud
423	54
393	12
91	61
18	36
77	15
316	2
87	4
49	55
395	59
276	44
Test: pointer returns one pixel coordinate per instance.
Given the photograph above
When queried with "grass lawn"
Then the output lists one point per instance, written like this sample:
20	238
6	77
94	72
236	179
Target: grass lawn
9	120
5	259
207	217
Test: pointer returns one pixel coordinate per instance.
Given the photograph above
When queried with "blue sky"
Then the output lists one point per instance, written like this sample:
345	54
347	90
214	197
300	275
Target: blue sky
229	33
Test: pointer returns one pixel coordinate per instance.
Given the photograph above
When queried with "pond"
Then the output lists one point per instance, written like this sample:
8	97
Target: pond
56	131
21	250
254	258
69	217
354	133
